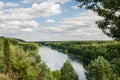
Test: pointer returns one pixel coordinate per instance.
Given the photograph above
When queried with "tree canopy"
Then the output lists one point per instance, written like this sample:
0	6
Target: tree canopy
110	10
100	69
67	72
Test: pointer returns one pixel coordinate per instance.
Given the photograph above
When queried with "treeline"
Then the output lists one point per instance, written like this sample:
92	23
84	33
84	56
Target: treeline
96	56
19	60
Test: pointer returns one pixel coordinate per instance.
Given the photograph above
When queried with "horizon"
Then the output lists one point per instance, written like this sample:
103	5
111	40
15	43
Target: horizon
48	20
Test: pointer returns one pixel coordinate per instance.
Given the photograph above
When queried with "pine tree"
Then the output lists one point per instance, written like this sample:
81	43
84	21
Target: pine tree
7	64
100	69
67	72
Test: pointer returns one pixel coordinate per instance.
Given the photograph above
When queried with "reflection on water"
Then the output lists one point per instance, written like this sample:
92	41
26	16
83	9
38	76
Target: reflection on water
55	60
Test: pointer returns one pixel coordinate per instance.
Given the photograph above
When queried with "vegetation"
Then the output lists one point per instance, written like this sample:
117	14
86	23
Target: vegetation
110	11
87	52
101	69
71	74
19	60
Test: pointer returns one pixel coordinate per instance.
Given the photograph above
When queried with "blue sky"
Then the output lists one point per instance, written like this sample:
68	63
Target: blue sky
48	20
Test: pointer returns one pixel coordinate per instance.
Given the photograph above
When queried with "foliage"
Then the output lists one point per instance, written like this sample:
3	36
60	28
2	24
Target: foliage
19	59
87	51
23	66
100	69
67	72
57	74
110	10
116	66
46	73
7	62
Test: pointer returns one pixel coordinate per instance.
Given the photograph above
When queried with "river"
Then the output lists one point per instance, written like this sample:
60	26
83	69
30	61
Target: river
55	60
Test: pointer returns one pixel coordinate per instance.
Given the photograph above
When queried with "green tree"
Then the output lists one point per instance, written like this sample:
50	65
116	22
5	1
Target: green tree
100	69
57	74
7	62
67	72
46	74
24	66
110	10
116	66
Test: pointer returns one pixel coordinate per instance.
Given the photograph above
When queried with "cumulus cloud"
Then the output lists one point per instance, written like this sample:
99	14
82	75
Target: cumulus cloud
9	4
79	27
75	7
39	1
1	4
44	9
16	24
23	22
15	28
84	19
50	21
16	20
26	29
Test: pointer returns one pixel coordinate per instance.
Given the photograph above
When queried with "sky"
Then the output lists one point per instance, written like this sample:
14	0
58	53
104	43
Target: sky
48	20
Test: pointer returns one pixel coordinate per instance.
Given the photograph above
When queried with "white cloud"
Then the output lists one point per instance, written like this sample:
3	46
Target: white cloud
75	7
44	9
85	19
20	22
15	20
39	1
9	4
60	1
16	25
32	1
1	4
79	27
50	21
26	29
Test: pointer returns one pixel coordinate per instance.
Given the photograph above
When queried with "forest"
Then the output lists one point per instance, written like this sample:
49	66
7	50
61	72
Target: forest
100	58
19	60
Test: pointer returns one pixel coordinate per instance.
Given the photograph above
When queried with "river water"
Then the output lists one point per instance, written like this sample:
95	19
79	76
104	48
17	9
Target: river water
55	60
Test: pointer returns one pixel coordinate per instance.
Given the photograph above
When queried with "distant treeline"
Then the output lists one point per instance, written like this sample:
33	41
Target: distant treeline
89	52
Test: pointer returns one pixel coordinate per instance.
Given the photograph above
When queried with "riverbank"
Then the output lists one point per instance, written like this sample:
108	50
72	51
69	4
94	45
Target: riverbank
19	60
55	60
92	54
85	51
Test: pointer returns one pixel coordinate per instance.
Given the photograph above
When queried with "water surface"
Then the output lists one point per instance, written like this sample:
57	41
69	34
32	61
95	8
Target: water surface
55	60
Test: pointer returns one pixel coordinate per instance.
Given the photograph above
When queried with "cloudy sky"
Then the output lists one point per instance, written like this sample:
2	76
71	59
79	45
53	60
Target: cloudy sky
39	20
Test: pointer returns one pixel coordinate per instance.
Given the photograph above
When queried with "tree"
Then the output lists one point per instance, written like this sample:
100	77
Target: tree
24	67
100	69
67	72
7	62
57	74
116	66
110	10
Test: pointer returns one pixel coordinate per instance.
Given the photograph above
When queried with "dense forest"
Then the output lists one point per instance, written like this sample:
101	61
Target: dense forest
19	60
100	58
